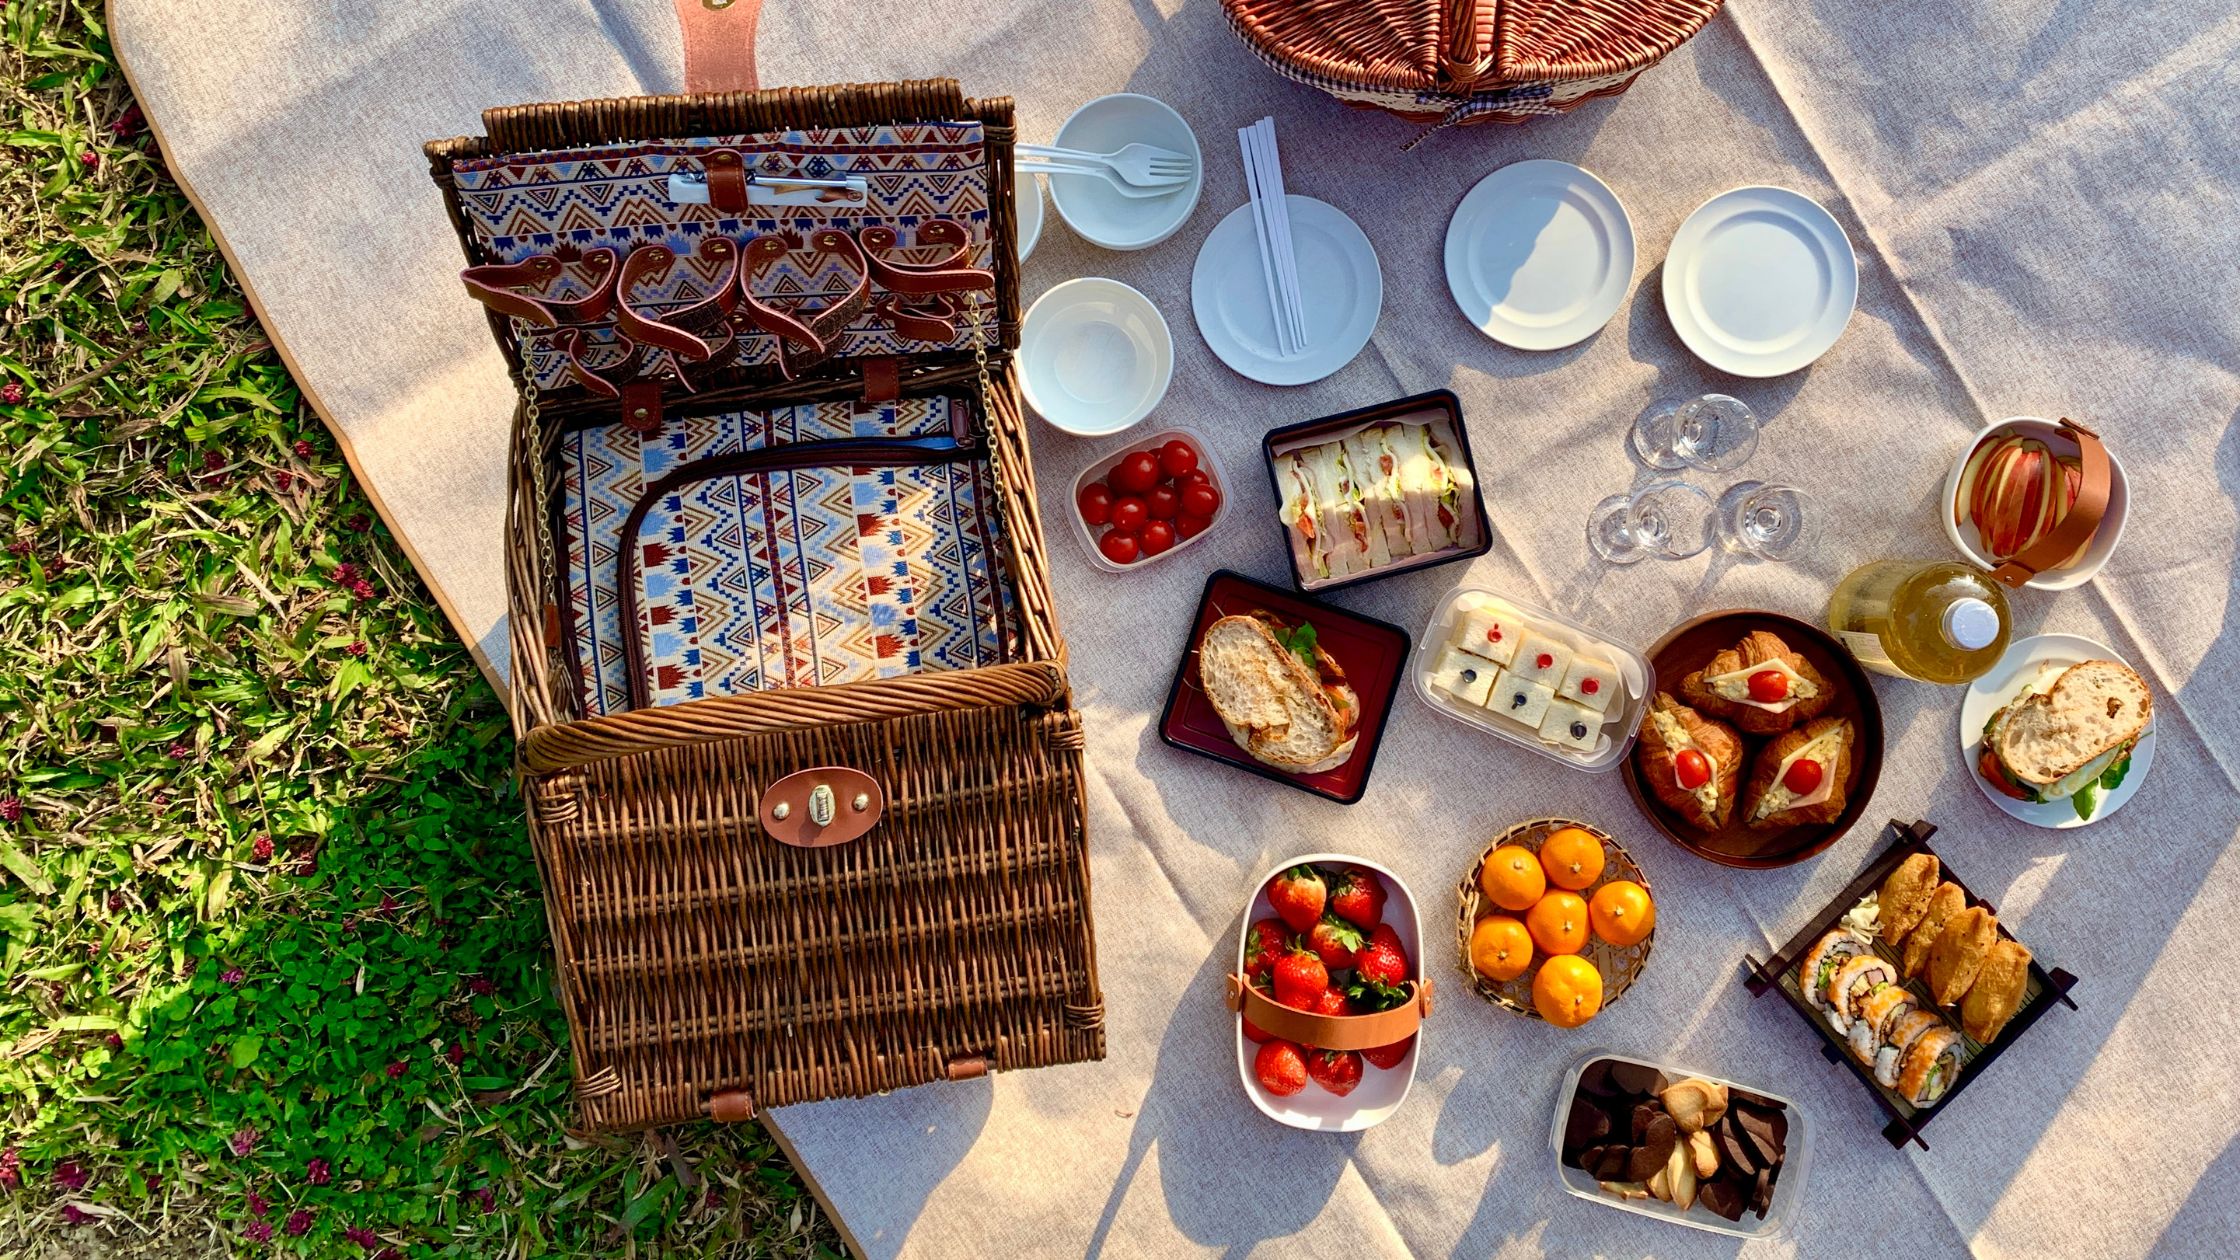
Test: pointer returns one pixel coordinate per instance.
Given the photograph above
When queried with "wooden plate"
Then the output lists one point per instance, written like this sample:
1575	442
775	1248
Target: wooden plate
1688	648
1619	967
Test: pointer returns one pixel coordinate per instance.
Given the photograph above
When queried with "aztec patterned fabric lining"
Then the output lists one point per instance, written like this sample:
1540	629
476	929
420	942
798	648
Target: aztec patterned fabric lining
806	577
567	202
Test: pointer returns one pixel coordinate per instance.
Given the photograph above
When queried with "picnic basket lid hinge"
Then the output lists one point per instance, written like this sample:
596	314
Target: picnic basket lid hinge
730	1106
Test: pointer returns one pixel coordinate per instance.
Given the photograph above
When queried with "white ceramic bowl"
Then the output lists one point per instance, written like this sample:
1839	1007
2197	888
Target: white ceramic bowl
1101	213
1102	466
1964	535
1381	1090
1027	197
1095	356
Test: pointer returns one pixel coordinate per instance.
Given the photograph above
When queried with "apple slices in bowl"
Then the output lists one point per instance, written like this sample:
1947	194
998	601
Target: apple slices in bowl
2016	483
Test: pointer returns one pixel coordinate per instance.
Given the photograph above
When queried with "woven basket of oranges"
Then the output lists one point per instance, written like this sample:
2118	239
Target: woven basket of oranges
1555	922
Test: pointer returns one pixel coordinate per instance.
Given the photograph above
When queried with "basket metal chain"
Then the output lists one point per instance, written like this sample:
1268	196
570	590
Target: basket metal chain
540	505
987	393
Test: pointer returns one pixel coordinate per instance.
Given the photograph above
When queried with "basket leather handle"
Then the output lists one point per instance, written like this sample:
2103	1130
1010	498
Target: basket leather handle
2096	479
1332	1032
718	44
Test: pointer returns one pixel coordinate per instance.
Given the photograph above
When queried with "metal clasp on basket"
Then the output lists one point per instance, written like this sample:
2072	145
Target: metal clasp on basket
815	809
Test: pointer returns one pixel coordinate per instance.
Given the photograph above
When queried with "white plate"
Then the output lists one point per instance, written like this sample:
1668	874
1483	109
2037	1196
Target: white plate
1095	356
1969	540
1760	281
1340	287
1027	196
1988	694
1091	205
1381	1090
1539	255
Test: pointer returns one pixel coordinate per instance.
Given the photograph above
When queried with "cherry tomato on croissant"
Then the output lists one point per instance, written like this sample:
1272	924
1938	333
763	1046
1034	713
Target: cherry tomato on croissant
1136	472
1804	776
1162	503
1157	536
1095	502
1128	514
1691	769
1177	459
1769	686
1200	499
1189	526
1119	548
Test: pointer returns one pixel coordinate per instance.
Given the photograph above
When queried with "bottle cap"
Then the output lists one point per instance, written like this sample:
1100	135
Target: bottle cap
1971	624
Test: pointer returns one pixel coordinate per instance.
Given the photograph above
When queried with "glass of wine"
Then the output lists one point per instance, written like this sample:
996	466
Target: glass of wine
1762	519
1671	520
1714	432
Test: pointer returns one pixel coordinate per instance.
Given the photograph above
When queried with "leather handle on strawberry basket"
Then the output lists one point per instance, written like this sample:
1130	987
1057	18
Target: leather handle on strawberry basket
718	44
1332	1032
2095	481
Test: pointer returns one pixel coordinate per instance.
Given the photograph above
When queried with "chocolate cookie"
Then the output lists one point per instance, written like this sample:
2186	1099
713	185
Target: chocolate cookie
1634	1078
1615	1162
1723	1198
1587	1124
1596	1079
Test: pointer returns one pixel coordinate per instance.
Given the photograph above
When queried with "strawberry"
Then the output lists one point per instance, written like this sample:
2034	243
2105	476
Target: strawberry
1388	1057
1335	1070
1359	897
1332	1002
1300	979
1297	896
1255	1033
1264	946
1335	940
1382	961
1281	1068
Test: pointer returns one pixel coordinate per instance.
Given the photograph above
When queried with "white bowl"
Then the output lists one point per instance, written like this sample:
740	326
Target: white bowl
1027	197
1101	213
1381	1090
1102	466
1095	356
1964	535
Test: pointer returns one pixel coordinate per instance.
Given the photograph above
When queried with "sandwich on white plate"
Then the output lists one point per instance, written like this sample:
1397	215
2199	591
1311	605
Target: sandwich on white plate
1284	700
2069	735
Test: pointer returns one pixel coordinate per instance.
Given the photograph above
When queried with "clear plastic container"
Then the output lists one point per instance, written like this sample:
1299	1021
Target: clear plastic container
1102	466
1788	1188
1620	722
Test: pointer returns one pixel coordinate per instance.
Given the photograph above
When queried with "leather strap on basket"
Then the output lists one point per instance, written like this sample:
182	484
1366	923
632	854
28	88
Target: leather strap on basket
1332	1032
693	333
519	289
2094	482
718	44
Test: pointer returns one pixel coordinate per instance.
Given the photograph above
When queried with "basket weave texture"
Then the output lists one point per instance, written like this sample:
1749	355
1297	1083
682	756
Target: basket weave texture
1451	62
706	969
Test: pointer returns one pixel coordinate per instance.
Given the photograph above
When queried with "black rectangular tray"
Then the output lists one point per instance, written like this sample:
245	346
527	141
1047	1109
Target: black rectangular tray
1779	973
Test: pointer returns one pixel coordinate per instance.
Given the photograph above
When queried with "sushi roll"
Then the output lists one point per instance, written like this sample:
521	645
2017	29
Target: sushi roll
1930	1066
1852	984
1878	1018
1909	1028
1820	963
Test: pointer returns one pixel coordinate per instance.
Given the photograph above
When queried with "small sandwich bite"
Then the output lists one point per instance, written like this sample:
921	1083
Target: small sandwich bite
1470	679
1690	763
1911	1027
1799	777
1820	963
1569	726
1930	1066
1905	896
1853	983
1945	902
1761	684
1959	953
1997	993
1590	682
1489	631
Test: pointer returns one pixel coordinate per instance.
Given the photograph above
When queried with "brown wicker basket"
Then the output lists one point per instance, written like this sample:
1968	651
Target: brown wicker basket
1449	62
705	968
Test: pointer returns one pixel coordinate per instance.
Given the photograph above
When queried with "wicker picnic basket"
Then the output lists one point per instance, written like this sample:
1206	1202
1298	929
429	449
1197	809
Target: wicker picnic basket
1450	62
726	938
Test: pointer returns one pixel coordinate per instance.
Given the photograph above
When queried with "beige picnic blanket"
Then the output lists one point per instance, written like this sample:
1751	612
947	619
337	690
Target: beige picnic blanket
2041	199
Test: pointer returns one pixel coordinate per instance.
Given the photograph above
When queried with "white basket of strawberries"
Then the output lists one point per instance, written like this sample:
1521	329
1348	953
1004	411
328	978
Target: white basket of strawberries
1329	992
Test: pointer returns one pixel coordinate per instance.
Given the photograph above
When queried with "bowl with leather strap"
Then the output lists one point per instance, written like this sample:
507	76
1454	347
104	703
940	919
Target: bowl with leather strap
2094	522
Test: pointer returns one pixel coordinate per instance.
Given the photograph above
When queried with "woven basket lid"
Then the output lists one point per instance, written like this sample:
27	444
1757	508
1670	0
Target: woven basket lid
1456	47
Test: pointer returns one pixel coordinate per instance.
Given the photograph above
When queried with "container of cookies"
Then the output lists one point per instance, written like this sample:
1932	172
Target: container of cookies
1533	677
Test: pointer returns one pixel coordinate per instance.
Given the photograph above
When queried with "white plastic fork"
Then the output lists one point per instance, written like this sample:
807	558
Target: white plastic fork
1143	164
1163	188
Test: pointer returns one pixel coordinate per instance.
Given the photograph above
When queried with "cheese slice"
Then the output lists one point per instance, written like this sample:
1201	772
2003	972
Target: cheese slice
1676	738
1735	685
1778	797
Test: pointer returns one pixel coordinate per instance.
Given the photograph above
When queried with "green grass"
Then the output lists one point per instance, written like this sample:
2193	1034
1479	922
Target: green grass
208	647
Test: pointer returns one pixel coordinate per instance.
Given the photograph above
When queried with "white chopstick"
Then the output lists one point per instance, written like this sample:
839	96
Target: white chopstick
1287	259
1265	234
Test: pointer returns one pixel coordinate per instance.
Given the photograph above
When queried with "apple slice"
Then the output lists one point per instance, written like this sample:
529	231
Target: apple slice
2014	496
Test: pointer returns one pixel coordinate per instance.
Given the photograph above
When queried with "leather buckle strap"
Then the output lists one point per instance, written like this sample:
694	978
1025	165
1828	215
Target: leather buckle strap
521	289
949	274
1332	1032
2096	478
575	347
697	330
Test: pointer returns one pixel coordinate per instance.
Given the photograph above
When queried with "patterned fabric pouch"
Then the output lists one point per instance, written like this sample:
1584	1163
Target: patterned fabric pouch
797	546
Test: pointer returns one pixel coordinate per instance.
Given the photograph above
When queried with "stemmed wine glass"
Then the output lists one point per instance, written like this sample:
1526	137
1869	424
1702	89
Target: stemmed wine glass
1714	432
1762	519
1668	519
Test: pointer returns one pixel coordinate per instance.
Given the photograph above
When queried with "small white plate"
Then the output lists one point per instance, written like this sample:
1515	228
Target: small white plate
1969	540
1760	281
1988	694
1101	213
1539	255
1340	287
1027	196
1095	356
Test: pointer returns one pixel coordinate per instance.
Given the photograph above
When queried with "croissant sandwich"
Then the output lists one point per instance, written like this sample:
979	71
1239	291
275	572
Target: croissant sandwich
1690	762
1801	777
1761	684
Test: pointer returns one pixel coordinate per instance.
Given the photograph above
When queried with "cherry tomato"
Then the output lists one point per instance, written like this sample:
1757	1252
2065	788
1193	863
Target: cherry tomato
1195	477
1691	769
1117	547
1804	775
1177	459
1200	499
1136	472
1162	503
1095	502
1128	514
1189	526
1769	686
1157	537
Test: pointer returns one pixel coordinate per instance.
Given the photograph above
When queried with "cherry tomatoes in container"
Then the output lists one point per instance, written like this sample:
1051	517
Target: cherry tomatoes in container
1163	503
1178	458
1158	536
1136	473
1094	502
1187	526
1136	503
1119	548
1128	514
1200	499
